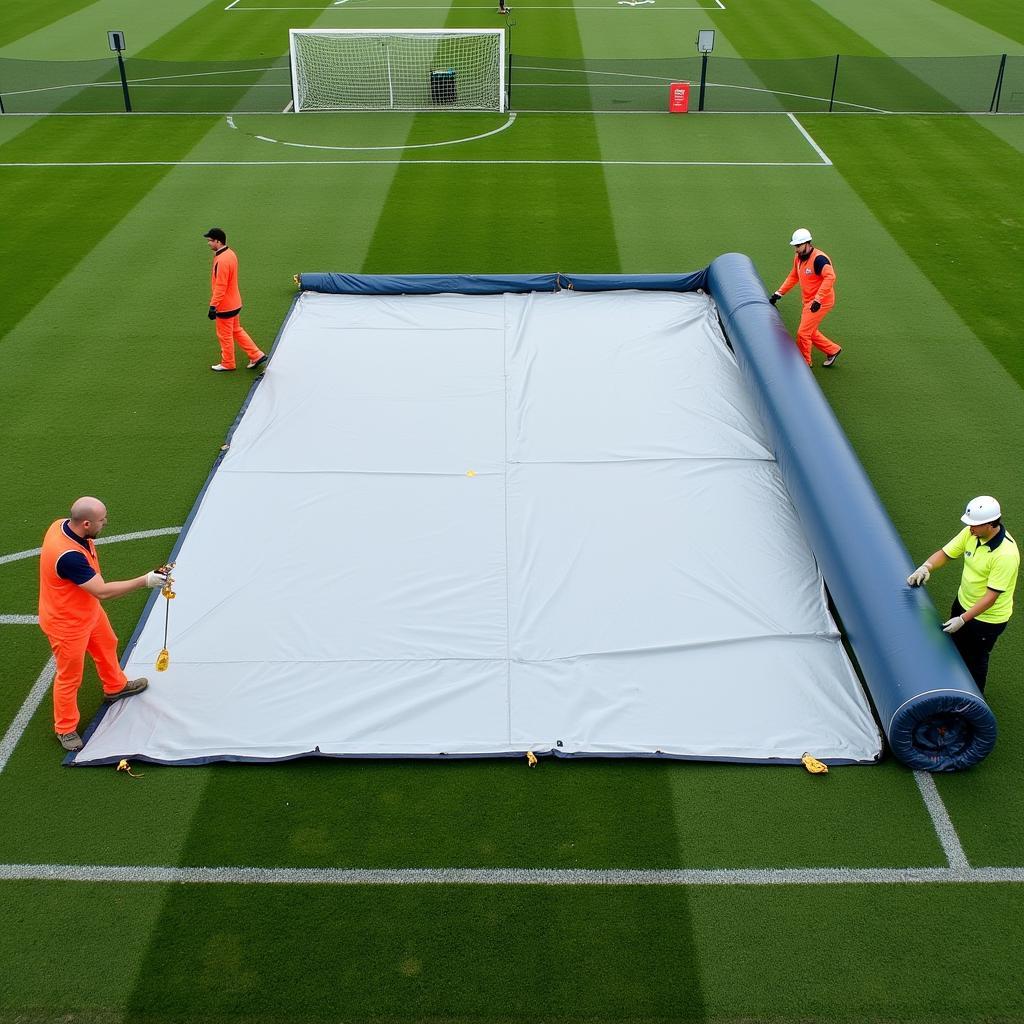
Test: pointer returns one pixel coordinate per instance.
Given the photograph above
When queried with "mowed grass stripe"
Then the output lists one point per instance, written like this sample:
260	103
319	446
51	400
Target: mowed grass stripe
796	30
460	954
1003	16
81	34
19	19
915	28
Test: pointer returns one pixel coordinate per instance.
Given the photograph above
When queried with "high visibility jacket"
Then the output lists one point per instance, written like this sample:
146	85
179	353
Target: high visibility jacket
65	609
224	294
817	278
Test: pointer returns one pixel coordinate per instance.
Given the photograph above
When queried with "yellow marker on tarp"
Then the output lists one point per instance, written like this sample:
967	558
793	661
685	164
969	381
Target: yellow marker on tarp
813	765
470	472
531	759
124	766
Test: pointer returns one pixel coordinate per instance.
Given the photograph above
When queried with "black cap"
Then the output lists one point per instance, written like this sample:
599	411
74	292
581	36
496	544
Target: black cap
216	234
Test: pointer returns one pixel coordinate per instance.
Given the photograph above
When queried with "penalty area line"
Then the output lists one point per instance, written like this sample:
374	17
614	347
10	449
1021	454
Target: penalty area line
942	822
359	163
807	135
40	688
504	876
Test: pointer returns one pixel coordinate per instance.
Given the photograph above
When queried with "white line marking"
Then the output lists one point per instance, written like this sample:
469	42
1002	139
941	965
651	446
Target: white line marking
362	163
540	110
502	876
487	7
230	5
364	149
164	531
18	620
817	149
942	822
39	690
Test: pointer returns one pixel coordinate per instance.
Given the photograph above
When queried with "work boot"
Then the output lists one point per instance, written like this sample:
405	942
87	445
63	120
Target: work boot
132	687
70	741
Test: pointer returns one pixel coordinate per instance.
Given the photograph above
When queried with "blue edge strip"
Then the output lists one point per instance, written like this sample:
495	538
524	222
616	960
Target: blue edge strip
931	712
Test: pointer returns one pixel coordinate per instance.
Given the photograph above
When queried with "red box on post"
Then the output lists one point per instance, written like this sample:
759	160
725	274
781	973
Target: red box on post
679	97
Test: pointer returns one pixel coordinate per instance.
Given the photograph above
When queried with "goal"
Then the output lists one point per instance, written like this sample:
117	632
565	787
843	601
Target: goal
397	69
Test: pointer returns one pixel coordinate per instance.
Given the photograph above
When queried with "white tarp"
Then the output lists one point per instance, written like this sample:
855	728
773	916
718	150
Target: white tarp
488	524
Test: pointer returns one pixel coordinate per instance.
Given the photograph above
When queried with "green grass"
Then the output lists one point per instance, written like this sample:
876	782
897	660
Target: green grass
105	347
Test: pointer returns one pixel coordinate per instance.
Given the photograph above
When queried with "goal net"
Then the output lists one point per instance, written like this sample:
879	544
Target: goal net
398	69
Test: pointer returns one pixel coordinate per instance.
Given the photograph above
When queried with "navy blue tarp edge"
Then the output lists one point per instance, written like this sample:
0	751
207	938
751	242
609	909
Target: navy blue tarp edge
491	284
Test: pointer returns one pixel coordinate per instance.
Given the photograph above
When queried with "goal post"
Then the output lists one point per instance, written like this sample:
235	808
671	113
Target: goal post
397	69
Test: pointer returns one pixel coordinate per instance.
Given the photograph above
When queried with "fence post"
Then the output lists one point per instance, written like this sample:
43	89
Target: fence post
835	77
124	82
509	25
993	107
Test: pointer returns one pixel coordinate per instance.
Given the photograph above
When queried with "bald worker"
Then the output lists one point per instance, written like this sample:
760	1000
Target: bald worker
71	588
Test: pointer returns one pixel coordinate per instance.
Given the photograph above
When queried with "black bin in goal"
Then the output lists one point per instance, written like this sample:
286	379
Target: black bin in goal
442	87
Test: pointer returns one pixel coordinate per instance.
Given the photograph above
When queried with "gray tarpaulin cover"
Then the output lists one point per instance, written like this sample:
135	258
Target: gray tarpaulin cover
468	525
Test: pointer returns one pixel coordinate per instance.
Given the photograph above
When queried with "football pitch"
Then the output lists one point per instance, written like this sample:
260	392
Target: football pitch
484	891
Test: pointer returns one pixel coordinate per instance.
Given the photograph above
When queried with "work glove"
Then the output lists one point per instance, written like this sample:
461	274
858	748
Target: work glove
953	624
919	577
212	315
815	306
156	579
774	297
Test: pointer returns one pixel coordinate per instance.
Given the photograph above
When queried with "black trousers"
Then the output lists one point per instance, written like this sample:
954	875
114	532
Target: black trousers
975	642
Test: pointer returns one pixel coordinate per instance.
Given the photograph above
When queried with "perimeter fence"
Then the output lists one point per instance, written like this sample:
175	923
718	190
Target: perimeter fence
977	84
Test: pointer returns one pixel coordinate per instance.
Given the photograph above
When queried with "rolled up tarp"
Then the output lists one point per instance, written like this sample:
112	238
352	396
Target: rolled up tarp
931	711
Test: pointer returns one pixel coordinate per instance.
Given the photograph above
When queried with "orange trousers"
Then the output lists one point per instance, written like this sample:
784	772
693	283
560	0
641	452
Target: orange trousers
230	330
70	651
808	334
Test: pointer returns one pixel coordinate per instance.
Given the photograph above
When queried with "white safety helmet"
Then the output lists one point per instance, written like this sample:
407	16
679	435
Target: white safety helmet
981	510
800	236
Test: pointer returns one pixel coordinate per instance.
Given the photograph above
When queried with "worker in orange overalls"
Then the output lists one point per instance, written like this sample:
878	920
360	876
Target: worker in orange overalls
226	304
70	590
817	277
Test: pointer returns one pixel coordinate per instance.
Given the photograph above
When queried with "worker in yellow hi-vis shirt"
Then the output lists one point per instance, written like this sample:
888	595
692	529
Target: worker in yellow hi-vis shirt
984	602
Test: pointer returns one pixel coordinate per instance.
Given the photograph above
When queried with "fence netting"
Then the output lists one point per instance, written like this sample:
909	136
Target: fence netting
882	84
